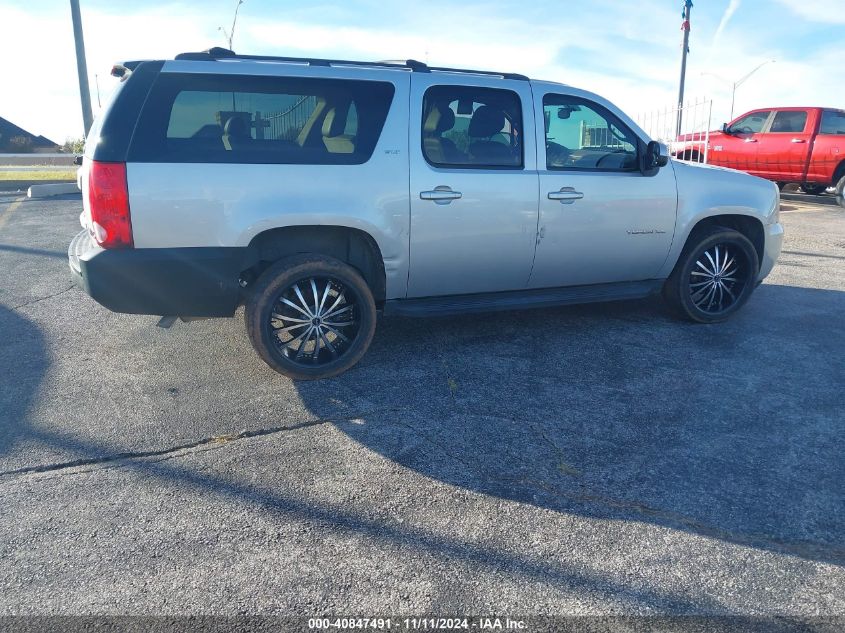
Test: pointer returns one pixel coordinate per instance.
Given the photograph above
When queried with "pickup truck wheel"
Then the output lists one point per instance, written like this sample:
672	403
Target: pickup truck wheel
310	317
840	192
714	276
813	189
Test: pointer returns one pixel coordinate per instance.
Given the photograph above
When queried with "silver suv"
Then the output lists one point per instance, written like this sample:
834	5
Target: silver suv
319	193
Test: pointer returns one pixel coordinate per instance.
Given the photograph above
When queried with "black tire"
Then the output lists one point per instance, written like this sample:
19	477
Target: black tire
813	189
840	192
731	287
276	315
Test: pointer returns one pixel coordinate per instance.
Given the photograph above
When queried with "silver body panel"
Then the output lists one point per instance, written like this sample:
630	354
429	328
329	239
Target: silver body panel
203	204
483	241
621	228
503	233
705	191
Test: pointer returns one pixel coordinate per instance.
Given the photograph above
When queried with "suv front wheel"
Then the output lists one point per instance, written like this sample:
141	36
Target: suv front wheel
310	317
714	276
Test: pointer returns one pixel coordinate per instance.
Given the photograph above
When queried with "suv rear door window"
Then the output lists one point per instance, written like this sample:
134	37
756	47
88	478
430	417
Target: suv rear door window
466	126
233	119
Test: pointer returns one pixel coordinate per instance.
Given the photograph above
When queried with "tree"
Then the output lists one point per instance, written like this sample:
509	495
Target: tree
73	145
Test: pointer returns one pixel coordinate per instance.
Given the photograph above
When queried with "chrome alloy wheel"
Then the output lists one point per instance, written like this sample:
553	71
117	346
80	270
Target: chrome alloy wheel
718	278
314	321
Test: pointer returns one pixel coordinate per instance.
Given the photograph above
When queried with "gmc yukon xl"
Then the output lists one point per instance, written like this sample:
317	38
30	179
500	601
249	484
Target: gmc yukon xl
320	193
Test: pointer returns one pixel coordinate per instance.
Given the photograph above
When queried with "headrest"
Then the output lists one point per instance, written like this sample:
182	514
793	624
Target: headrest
236	126
335	122
438	121
486	121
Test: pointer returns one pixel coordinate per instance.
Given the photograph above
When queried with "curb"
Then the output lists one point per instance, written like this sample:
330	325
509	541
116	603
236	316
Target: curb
45	191
824	199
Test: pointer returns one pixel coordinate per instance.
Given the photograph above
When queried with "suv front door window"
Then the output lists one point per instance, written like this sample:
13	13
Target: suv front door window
579	137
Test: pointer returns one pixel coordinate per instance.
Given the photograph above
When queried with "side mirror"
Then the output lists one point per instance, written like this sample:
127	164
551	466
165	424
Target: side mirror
726	128
654	158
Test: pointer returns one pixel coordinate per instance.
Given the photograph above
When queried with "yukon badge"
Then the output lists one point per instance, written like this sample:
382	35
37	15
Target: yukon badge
645	232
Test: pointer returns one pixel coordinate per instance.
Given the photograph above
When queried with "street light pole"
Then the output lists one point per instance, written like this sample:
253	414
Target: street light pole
231	34
739	82
81	66
733	100
736	84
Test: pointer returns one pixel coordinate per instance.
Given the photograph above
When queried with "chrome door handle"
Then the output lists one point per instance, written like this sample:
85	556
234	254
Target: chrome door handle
440	195
798	140
567	195
751	140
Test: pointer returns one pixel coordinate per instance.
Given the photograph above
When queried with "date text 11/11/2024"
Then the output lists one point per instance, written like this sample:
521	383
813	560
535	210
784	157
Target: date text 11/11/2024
418	624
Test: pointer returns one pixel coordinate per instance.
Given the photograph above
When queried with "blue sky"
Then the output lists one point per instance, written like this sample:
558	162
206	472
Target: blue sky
628	51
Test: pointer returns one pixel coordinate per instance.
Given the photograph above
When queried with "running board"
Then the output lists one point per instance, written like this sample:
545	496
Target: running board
521	299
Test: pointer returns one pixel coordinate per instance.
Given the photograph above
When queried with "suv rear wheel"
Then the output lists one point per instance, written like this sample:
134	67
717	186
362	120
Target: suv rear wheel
310	317
714	276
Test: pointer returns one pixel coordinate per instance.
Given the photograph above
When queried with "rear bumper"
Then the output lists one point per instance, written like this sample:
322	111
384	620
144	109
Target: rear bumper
159	281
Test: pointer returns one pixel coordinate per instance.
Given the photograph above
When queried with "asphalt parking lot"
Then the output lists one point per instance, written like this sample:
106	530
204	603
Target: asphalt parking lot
602	459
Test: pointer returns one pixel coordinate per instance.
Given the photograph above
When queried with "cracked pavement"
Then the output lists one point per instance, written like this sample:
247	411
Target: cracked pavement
602	459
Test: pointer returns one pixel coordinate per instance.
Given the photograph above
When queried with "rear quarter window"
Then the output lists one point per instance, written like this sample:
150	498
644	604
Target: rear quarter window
110	136
234	119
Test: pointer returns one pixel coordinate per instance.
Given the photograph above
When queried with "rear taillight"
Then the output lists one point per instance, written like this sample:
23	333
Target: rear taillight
108	197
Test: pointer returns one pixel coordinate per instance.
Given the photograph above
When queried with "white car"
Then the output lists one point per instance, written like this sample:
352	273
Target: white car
319	193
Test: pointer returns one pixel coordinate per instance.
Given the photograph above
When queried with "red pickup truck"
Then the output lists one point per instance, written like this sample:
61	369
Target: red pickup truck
787	145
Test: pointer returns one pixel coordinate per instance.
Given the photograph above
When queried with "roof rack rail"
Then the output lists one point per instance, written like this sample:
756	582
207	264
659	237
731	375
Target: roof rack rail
217	53
490	73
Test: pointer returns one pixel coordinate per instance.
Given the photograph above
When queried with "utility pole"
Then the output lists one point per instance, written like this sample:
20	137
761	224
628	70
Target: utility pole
685	27
81	66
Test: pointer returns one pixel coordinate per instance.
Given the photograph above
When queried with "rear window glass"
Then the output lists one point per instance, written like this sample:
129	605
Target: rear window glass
833	122
232	119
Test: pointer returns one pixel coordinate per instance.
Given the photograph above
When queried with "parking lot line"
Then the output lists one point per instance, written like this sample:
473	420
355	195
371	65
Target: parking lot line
4	215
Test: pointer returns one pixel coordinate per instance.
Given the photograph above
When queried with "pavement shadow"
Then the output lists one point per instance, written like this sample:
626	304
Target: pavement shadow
617	411
23	362
24	250
612	411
